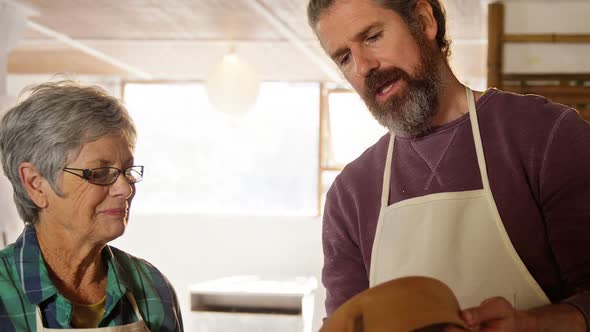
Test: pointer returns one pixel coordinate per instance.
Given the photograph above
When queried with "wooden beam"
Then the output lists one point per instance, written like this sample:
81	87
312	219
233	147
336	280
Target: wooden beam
88	50
58	61
322	132
584	113
547	38
337	168
495	46
566	91
546	77
570	100
286	31
3	89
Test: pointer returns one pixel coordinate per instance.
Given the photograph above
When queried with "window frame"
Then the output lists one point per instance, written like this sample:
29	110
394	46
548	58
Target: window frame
325	139
322	111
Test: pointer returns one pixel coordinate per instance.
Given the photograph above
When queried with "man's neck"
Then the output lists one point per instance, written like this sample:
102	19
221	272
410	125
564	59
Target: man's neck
452	99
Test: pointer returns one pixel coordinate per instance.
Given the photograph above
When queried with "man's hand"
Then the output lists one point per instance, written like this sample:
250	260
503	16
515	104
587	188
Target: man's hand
497	314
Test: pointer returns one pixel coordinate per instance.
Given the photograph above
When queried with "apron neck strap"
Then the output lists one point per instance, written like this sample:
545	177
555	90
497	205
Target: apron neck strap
38	319
387	172
478	150
481	160
134	305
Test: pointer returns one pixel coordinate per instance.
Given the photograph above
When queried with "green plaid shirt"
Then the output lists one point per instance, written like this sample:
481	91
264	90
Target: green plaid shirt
25	284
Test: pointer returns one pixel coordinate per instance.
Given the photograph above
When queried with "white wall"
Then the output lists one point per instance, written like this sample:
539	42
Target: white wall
10	223
537	17
191	249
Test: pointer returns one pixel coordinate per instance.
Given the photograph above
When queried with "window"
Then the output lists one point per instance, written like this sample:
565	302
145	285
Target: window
198	160
347	129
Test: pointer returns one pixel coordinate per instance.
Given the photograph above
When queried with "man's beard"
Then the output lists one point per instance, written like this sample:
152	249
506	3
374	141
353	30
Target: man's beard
410	110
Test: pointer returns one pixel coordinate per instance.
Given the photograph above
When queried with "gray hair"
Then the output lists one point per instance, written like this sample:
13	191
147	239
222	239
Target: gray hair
404	8
48	129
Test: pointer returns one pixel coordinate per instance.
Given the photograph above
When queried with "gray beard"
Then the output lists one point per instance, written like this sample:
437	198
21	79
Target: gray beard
409	113
411	117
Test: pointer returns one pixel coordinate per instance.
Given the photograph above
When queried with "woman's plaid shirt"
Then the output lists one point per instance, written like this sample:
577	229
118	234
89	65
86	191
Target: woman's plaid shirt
25	284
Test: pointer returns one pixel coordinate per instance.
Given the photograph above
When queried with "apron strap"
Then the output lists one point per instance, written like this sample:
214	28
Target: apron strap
134	305
38	319
477	140
387	173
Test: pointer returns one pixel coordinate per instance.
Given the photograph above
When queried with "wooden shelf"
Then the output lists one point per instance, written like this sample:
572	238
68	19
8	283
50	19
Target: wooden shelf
566	91
546	77
571	89
547	38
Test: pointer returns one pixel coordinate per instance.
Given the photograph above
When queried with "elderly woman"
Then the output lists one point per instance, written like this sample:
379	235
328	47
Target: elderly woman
68	152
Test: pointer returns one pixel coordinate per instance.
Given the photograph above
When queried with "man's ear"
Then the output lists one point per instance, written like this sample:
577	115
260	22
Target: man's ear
34	184
425	16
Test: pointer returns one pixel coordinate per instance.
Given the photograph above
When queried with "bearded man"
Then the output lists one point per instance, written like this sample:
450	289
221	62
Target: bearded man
485	191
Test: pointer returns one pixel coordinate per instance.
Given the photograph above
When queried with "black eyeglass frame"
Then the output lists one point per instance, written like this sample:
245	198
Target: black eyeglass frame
87	171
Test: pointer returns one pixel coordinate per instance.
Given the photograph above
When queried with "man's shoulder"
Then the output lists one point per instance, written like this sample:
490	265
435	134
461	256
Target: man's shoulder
371	160
362	176
521	108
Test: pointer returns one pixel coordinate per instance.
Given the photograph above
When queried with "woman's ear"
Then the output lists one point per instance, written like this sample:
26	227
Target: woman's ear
425	16
34	183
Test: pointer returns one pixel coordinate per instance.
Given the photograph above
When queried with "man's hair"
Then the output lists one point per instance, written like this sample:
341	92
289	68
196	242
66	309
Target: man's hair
404	8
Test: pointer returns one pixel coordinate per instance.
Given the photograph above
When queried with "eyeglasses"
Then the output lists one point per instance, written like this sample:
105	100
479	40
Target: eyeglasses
105	176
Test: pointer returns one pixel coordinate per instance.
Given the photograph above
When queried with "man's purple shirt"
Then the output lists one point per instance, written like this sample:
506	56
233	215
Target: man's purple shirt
538	161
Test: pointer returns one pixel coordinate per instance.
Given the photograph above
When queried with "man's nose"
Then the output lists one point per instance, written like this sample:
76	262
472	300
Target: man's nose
365	64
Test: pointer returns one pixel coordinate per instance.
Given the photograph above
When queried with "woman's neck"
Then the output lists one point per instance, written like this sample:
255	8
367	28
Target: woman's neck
75	267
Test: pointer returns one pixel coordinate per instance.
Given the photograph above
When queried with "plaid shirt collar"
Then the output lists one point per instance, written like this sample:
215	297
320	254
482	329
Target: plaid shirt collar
34	278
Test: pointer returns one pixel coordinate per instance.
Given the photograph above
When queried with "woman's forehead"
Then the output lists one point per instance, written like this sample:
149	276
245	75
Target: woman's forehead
105	151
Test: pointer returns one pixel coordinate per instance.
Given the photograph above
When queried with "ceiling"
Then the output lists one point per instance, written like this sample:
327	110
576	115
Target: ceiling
183	39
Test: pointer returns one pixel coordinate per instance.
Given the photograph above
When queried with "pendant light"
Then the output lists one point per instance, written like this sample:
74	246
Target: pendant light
232	85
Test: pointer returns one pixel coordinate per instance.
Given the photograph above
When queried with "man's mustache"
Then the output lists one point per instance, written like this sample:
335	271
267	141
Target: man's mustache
378	78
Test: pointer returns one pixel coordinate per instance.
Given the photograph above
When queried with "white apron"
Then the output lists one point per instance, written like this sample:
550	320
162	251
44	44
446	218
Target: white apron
133	327
456	237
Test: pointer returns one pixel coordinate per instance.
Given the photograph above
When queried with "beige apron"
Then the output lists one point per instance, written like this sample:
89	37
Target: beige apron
133	327
456	237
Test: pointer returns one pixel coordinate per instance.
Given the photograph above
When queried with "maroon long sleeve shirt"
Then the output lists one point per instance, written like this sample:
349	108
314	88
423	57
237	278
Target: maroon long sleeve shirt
538	159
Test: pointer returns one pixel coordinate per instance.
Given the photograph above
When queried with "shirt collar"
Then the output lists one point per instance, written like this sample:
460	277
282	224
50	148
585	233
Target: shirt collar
34	277
31	269
117	278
